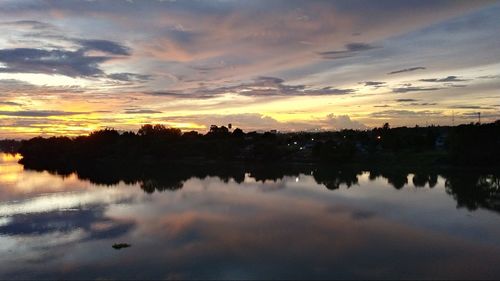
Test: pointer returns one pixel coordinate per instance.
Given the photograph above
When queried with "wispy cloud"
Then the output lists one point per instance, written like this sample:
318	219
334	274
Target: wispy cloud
141	111
407	70
375	84
10	103
446	79
65	62
471	107
350	50
406	100
406	114
130	77
262	86
220	57
39	113
256	121
414	89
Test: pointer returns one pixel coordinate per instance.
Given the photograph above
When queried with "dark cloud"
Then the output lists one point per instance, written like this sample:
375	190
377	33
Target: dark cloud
262	86
350	50
406	100
67	221
186	95
356	47
413	89
273	80
407	70
384	105
141	111
106	46
470	107
473	115
69	63
446	79
273	86
59	61
129	77
39	113
372	83
405	114
206	69
329	91
10	103
33	24
414	102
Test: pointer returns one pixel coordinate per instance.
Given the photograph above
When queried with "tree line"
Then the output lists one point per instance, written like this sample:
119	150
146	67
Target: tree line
471	144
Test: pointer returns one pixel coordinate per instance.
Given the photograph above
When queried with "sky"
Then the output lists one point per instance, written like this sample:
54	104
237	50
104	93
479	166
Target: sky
71	67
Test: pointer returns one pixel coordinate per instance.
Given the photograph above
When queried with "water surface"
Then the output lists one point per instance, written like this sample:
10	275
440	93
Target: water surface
307	224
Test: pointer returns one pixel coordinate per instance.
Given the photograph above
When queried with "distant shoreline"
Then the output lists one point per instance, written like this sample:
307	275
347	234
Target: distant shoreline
473	145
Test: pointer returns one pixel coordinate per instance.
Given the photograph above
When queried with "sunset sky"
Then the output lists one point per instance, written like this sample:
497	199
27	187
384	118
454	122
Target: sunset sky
70	67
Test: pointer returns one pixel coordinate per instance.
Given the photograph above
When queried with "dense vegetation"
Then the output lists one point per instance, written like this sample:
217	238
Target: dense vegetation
10	146
473	144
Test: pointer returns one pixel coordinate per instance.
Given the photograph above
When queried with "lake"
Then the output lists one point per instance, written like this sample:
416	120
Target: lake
249	224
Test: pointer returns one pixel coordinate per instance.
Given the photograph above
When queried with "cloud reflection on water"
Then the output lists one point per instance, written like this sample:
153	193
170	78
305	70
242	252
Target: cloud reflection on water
213	228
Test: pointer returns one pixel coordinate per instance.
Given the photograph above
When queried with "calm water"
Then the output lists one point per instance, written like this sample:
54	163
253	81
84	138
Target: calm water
362	225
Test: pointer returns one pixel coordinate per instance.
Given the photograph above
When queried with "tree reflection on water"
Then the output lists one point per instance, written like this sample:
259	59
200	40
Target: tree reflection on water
471	189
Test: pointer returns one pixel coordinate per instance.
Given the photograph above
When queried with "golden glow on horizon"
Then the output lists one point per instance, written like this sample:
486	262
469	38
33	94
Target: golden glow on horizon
303	65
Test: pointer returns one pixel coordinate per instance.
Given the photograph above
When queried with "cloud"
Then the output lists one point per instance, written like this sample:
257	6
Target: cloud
470	107
10	103
413	102
272	86
129	77
414	89
351	49
245	121
69	63
39	113
262	86
31	24
422	104
446	79
141	111
191	51
406	100
474	115
405	114
67	221
60	61
489	77
197	94
256	121
407	70
339	122
375	84
106	46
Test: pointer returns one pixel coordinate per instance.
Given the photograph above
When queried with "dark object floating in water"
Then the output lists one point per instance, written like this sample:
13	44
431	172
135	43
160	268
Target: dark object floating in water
120	246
